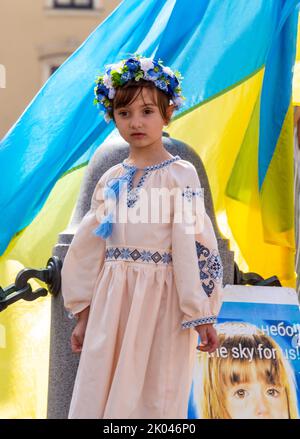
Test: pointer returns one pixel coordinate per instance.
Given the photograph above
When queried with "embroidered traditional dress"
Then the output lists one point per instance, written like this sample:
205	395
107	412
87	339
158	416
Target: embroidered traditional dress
148	285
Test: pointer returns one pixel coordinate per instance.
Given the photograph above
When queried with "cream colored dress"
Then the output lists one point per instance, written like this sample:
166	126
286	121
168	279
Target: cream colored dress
148	284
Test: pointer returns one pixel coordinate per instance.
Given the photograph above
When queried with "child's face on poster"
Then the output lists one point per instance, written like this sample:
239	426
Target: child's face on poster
257	399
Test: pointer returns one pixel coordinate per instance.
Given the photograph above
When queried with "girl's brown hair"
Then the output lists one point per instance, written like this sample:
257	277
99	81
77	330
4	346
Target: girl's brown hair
132	89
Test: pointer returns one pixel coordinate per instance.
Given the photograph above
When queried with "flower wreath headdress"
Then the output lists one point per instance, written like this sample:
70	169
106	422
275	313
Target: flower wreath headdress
137	67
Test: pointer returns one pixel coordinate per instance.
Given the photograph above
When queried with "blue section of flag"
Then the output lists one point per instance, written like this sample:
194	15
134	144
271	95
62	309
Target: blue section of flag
214	45
277	86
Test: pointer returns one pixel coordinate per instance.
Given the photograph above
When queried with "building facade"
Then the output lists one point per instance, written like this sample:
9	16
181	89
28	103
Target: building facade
36	37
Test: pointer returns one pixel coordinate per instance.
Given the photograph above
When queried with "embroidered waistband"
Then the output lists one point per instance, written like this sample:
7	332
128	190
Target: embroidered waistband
139	255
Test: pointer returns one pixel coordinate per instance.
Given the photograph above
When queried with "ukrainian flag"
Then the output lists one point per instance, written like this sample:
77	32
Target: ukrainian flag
296	76
236	57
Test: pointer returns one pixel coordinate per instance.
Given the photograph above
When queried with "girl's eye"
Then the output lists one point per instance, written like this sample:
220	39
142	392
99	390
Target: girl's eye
273	392
122	113
240	394
148	111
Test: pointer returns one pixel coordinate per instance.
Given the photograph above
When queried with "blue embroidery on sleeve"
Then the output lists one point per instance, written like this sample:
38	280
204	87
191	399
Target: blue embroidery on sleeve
188	193
203	321
210	266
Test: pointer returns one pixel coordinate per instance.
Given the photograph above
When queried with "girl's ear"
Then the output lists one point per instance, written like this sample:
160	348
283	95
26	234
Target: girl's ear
169	112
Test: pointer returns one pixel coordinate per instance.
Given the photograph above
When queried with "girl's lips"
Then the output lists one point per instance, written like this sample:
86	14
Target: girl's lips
138	135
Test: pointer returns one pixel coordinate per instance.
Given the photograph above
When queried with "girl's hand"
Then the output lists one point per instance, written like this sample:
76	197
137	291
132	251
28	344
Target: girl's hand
77	336
208	336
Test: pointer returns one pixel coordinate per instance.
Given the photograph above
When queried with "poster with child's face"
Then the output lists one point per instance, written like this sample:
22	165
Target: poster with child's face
255	372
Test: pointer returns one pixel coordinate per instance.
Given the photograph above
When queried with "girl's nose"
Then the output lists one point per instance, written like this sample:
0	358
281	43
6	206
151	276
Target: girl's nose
135	122
261	407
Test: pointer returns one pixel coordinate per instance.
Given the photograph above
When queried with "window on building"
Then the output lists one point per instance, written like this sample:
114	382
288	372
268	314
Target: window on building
52	69
73	4
49	65
72	7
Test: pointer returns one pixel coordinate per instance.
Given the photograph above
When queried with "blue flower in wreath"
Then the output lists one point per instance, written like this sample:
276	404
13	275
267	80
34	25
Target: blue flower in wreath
173	82
161	84
132	64
126	76
101	89
157	66
153	74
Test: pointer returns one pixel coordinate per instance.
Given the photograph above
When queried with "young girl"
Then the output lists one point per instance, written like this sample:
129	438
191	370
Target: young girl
260	385
142	289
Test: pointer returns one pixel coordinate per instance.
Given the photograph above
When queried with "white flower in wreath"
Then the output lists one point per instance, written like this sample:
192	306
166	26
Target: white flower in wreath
107	118
111	93
146	64
107	81
118	66
168	71
178	101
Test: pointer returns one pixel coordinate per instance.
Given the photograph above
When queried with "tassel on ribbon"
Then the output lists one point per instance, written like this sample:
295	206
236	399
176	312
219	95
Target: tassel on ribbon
112	191
105	228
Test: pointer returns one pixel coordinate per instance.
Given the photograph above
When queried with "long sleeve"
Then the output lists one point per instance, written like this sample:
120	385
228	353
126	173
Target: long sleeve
85	257
198	269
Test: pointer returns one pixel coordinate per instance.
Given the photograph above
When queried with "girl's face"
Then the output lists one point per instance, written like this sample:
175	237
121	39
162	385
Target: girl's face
257	399
141	116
